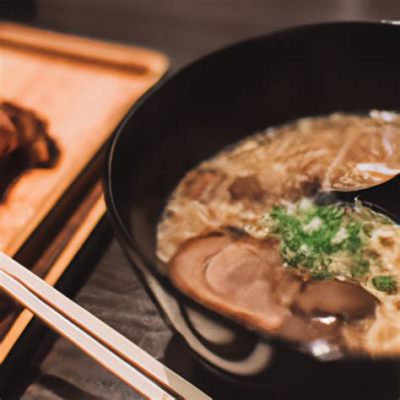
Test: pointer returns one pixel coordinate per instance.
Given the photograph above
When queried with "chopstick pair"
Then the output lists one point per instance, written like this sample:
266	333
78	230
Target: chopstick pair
109	348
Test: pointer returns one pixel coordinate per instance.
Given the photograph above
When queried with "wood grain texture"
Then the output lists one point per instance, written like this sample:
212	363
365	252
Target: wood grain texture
184	29
82	88
56	259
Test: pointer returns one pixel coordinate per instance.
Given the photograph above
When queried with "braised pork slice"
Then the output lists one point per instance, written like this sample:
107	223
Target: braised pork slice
24	144
241	278
245	279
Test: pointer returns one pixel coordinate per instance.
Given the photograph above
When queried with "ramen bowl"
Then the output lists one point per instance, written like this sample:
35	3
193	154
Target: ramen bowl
312	70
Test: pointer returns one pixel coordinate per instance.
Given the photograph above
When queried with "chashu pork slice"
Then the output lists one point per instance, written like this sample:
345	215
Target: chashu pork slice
241	278
244	279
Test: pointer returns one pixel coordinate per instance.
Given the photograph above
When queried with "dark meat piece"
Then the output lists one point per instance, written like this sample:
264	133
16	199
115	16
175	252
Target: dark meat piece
22	129
307	188
310	187
24	144
246	187
332	297
8	134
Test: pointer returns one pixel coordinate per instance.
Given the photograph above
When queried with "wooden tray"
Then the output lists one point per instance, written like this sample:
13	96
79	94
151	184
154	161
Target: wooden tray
55	261
83	88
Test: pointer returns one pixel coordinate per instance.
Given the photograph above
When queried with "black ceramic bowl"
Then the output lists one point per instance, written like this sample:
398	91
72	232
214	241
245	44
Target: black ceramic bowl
216	101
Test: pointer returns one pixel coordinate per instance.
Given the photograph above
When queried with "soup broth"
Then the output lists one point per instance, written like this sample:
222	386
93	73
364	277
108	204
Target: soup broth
243	235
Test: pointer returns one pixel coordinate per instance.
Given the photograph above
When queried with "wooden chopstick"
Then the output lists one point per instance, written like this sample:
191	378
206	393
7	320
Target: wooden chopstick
81	339
122	357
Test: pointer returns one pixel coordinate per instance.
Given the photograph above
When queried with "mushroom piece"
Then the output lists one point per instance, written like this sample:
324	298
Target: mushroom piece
246	187
241	278
334	297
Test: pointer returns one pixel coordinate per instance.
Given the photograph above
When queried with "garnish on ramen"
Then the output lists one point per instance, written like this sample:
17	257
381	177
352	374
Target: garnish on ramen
331	241
242	234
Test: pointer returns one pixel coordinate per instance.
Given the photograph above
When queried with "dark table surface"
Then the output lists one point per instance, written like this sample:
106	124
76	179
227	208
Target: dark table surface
185	30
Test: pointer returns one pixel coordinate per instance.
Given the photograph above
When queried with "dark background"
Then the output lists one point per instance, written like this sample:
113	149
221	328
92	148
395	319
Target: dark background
185	30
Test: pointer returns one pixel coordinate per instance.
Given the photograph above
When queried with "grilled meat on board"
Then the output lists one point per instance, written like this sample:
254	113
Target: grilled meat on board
24	144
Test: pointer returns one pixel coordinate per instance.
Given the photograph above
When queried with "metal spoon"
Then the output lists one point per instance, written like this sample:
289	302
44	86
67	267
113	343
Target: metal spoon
383	198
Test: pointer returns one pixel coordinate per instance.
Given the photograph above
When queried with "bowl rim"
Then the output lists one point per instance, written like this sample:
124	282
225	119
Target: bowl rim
131	249
116	219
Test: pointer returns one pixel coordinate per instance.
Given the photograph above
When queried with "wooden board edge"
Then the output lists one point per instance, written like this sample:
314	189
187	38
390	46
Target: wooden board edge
89	223
153	62
150	64
115	54
20	237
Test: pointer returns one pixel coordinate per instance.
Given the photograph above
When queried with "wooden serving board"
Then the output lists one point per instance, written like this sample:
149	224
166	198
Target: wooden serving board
82	88
55	261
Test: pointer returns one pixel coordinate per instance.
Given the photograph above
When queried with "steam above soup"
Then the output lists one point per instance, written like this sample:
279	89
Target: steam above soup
243	235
